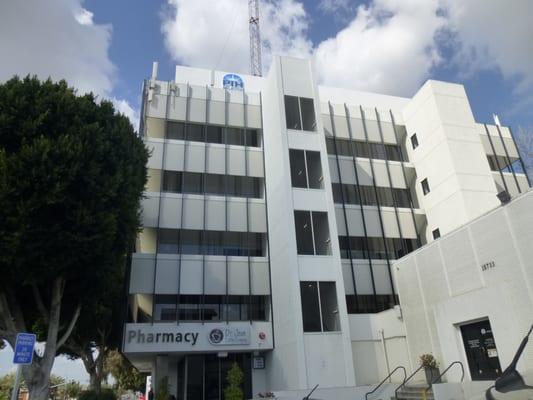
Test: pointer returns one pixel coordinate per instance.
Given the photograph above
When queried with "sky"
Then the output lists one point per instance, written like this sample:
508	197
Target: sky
386	46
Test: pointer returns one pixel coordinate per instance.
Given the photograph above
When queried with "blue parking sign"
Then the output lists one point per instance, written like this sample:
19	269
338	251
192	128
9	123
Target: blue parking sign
24	348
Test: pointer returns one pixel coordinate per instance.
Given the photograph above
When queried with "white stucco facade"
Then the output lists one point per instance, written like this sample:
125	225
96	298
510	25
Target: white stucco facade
282	225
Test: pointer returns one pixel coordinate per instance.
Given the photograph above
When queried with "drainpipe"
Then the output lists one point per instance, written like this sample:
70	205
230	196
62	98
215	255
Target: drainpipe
382	337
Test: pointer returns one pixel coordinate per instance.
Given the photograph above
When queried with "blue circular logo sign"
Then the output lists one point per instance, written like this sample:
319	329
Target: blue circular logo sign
233	82
216	336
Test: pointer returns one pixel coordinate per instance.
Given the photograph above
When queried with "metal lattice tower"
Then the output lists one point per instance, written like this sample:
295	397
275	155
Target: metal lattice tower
255	38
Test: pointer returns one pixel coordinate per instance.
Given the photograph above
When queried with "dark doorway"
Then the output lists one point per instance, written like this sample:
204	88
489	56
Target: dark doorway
203	376
481	351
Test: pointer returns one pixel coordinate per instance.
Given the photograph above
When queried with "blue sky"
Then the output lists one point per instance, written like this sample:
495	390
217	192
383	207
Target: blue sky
387	46
137	40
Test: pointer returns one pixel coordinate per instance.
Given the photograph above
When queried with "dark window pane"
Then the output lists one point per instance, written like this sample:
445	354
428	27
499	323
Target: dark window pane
214	184
368	195
344	147
393	152
436	233
298	175
215	134
195	132
168	241
213	243
329	308
425	186
189	307
292	113
192	183
175	130
172	181
310	307
304	235
258	308
308	114
212	308
314	170
337	194
252	138
191	242
233	244
235	136
414	141
361	150
378	151
321	231
350	194
165	307
195	381
330	145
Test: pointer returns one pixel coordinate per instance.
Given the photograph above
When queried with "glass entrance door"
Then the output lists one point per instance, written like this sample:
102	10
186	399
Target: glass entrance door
203	376
481	351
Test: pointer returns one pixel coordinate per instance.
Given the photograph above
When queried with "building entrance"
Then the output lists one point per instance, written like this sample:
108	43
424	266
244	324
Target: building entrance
481	351
203	376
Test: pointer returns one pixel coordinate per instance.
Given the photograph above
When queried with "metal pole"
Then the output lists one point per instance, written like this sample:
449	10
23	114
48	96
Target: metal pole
382	337
15	392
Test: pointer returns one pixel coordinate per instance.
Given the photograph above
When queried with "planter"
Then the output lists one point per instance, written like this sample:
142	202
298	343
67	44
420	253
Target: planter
431	375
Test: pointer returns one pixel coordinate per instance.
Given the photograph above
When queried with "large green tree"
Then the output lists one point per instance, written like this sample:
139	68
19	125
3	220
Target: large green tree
72	173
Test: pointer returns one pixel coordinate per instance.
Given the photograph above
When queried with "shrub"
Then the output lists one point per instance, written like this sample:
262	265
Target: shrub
105	394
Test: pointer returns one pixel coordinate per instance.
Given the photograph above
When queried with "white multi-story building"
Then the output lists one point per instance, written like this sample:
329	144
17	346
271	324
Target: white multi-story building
274	210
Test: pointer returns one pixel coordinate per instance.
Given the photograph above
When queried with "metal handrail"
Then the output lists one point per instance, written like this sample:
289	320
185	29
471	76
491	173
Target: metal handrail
441	375
405	381
387	377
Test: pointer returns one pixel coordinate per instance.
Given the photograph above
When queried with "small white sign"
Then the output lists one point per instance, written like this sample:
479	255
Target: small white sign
259	362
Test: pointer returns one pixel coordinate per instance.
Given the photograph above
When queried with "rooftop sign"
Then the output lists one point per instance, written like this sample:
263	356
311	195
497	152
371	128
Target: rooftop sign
232	82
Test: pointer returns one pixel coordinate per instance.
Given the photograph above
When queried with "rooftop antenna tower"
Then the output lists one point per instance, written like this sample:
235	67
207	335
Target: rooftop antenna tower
255	38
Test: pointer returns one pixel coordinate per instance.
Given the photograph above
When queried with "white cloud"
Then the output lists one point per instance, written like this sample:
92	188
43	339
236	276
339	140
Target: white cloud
494	34
122	106
388	47
57	39
84	17
210	34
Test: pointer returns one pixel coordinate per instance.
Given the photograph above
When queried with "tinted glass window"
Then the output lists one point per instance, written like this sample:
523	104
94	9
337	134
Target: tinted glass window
298	173
310	307
196	133
192	183
304	235
308	114
292	112
215	134
175	130
172	181
328	306
314	169
235	136
252	138
321	232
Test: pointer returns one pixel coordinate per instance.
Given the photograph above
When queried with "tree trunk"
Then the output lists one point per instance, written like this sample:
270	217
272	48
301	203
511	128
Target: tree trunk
36	375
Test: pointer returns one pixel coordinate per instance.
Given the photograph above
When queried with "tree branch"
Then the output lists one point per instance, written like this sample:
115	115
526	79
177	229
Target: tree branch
70	327
39	301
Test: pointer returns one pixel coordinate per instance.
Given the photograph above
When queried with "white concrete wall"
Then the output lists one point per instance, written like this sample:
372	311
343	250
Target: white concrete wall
450	155
443	286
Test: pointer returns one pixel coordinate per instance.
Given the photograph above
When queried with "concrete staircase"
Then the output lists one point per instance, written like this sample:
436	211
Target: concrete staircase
414	392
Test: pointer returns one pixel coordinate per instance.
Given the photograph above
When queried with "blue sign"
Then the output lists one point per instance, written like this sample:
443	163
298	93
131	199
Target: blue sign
233	82
24	348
